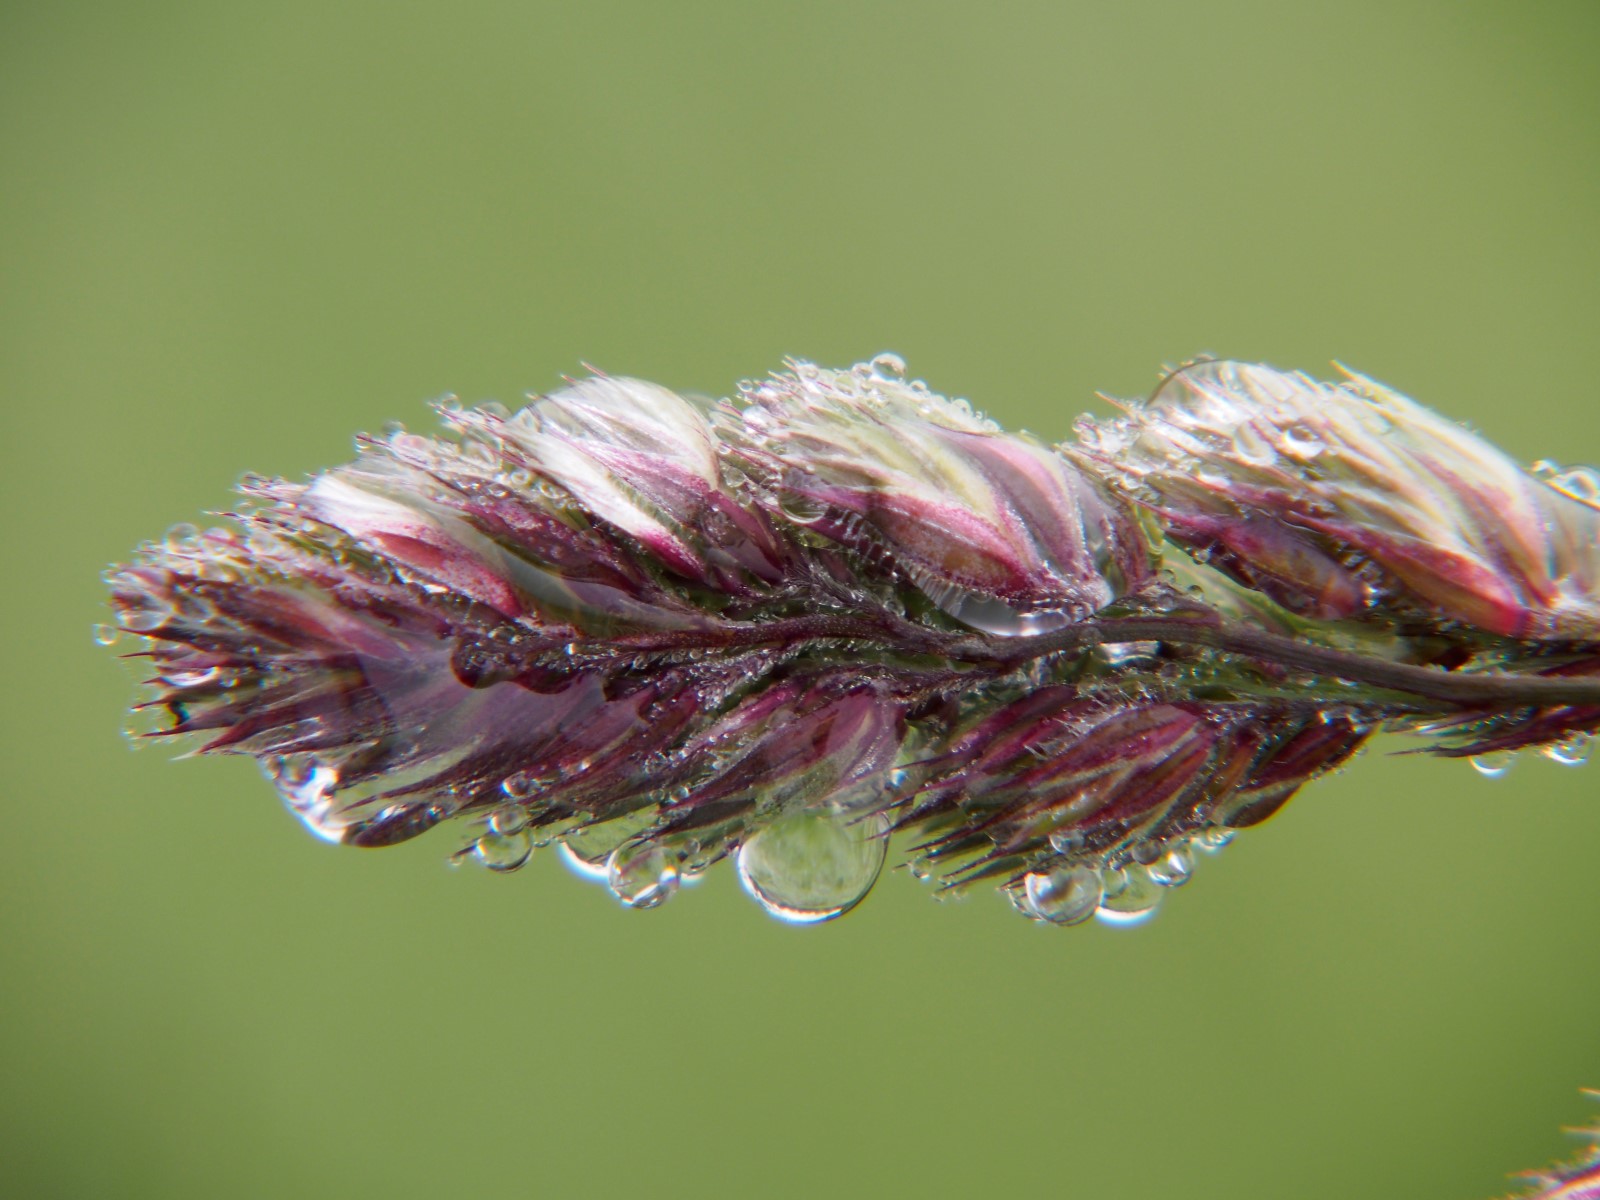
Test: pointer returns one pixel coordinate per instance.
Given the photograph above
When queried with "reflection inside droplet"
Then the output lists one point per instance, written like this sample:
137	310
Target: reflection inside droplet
1131	897
807	867
1063	896
642	874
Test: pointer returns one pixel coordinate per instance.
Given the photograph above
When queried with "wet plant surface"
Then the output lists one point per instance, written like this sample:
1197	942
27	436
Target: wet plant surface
659	632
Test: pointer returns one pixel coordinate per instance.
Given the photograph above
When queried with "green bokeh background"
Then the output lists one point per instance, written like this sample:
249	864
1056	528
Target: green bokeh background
233	235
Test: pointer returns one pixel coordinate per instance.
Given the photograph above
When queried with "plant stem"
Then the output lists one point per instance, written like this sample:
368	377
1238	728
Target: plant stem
1457	689
1500	689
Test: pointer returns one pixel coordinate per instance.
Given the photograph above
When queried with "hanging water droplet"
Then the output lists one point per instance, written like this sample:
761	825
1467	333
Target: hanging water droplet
888	366
503	851
1131	897
1063	896
1570	752
307	785
587	850
508	819
808	867
1211	841
1493	764
642	874
106	635
1172	869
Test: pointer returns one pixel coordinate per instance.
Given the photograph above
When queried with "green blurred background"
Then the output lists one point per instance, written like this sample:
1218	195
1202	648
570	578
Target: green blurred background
233	235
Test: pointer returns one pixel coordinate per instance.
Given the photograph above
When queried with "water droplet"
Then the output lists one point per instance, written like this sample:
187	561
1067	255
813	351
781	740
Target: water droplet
520	785
1131	896
146	620
503	851
807	867
106	635
996	617
1493	764
799	507
183	538
307	785
587	850
1570	752
1299	441
1174	868
889	366
642	874
1066	841
1251	447
1580	484
1064	895
1211	841
508	819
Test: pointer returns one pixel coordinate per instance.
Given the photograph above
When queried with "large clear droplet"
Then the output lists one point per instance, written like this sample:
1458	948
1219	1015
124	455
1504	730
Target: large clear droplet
1131	898
808	867
1063	896
642	874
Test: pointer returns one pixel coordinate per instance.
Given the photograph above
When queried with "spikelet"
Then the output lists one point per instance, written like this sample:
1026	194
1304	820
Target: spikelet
658	632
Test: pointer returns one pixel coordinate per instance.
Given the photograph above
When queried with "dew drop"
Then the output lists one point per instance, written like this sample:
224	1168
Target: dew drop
1131	896
1212	841
146	620
307	785
1300	442
1172	869
508	819
1570	752
183	538
799	507
1251	447
106	635
1493	764
503	851
642	874
520	785
889	366
1063	896
1580	484
808	867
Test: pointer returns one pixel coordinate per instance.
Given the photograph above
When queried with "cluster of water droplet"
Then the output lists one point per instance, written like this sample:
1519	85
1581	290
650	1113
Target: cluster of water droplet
803	867
1126	891
1576	483
1572	751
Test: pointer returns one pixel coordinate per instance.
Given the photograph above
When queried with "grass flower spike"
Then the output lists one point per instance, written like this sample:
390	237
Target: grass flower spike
655	632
